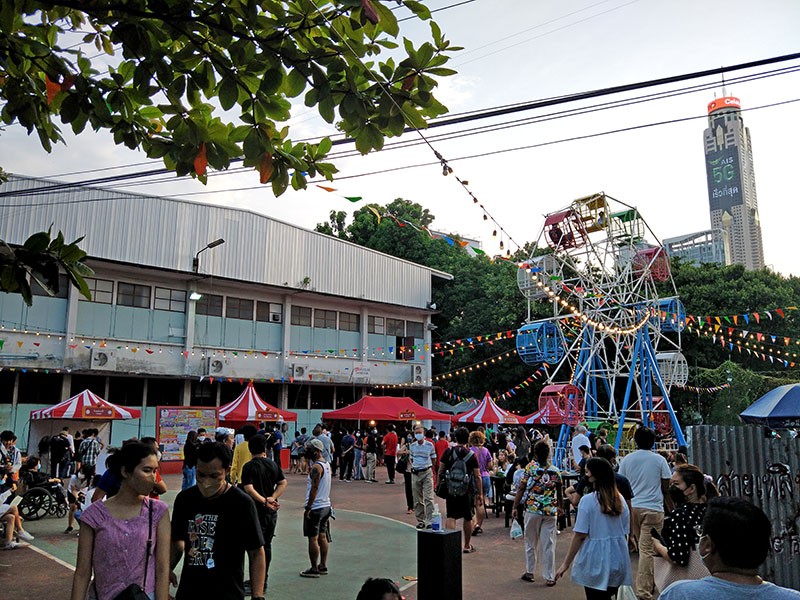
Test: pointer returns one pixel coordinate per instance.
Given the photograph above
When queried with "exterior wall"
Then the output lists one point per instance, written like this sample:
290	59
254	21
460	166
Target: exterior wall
164	348
709	246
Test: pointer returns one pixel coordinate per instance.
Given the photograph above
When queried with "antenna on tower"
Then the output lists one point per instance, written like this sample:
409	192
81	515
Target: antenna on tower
724	93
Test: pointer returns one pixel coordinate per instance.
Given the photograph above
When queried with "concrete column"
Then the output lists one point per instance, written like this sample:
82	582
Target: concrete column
66	386
286	360
427	395
187	393
15	401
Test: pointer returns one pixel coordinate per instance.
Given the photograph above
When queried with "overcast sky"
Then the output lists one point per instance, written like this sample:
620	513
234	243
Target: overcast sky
524	50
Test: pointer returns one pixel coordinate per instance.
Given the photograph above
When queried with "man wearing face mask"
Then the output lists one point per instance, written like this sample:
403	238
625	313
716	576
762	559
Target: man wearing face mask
213	524
317	513
371	448
423	461
734	544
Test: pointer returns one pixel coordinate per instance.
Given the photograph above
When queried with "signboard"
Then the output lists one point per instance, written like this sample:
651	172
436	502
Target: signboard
97	412
509	419
263	415
407	415
724	180
726	102
173	423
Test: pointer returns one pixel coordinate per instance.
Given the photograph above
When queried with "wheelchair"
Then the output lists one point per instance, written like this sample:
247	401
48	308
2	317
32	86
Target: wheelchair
41	499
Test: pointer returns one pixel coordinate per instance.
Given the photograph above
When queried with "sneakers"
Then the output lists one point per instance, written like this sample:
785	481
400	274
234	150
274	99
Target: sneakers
69	530
13	545
313	573
373	481
25	536
389	482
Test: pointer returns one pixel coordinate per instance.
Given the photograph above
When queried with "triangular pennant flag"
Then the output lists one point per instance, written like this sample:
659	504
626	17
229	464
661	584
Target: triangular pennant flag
375	211
780	312
769	314
758	318
735	319
327	189
746	318
353	198
477	250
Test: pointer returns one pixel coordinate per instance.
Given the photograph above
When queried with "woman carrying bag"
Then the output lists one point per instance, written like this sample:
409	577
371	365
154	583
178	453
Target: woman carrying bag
125	541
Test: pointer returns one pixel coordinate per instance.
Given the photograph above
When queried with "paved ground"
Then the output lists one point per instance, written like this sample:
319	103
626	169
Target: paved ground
372	536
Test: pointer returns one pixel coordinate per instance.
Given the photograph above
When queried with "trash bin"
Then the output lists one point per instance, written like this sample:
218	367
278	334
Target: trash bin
439	564
285	457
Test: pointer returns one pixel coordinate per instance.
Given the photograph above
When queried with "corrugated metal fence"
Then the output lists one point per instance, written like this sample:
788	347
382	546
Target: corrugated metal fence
745	464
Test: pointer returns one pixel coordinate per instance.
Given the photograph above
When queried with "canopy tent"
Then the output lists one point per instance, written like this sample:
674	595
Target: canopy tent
777	409
83	410
549	414
250	408
385	408
452	409
487	412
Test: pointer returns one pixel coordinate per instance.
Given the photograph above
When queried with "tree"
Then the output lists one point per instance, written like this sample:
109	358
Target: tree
175	60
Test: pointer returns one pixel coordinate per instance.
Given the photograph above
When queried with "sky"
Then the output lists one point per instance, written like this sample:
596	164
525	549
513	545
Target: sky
519	51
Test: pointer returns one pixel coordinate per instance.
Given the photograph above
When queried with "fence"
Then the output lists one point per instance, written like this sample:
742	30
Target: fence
746	464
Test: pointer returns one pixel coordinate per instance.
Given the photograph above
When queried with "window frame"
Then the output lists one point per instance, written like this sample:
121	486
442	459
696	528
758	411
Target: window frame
173	303
324	318
373	327
393	329
302	316
266	311
237	308
91	283
205	304
349	322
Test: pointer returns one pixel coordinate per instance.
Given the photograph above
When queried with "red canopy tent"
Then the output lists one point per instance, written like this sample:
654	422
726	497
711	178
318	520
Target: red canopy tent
385	408
250	408
549	414
487	412
74	413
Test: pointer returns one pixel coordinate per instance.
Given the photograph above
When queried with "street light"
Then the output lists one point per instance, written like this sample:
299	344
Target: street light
196	261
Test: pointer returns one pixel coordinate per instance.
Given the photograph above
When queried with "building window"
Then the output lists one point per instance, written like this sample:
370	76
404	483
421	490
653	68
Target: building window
396	327
349	322
210	305
102	290
171	300
376	325
415	329
301	315
239	308
325	319
133	294
269	312
63	288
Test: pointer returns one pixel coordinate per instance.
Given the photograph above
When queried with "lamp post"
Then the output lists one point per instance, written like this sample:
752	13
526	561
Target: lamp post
196	261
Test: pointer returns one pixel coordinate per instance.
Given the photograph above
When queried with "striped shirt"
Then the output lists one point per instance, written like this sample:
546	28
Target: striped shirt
422	455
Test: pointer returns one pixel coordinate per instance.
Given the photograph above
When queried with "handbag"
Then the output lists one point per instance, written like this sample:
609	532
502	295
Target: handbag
666	572
401	466
134	591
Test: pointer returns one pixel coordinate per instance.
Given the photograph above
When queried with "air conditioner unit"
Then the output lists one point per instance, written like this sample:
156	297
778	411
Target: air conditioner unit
216	367
299	371
418	373
275	318
102	359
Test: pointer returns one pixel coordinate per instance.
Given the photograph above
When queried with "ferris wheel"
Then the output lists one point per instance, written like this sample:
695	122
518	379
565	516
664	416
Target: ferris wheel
613	342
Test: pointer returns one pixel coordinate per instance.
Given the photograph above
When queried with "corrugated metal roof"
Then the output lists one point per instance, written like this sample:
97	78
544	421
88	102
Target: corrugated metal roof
166	233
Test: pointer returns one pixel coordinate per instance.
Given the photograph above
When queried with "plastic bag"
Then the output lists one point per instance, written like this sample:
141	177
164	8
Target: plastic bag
626	592
516	530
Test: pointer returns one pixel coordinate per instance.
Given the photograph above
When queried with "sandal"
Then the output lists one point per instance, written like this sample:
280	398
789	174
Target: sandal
477	530
528	577
550	582
470	550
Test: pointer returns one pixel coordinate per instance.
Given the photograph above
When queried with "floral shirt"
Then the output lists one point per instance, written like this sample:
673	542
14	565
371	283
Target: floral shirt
541	485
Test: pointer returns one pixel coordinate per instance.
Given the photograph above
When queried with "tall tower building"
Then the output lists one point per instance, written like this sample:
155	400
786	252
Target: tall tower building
732	183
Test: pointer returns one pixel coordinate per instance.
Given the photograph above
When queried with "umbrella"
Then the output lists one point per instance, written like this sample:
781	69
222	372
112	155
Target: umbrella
487	412
777	409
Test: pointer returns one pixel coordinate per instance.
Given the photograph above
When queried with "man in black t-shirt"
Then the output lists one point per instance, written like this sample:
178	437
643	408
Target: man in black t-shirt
462	507
263	481
213	524
575	492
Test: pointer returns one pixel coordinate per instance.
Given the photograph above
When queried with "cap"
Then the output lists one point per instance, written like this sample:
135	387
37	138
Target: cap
316	444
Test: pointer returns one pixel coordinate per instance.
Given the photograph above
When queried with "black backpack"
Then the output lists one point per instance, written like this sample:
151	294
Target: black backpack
44	445
458	475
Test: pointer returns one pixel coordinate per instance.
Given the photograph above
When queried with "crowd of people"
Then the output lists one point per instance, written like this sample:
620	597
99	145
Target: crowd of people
690	542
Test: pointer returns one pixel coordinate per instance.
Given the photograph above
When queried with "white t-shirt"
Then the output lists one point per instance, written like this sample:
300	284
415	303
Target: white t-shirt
719	589
579	440
645	470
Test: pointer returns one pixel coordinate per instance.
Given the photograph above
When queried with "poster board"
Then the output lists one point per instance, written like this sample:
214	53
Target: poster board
173	424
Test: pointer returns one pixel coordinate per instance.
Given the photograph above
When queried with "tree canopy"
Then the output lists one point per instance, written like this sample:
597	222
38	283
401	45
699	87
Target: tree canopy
200	82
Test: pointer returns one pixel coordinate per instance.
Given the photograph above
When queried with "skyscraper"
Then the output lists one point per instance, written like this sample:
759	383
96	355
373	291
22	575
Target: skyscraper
732	183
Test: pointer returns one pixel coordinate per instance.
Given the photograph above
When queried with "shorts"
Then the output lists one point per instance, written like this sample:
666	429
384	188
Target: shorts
268	521
317	522
459	507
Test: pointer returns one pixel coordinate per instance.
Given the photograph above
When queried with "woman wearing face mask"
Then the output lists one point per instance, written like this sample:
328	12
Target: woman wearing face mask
403	451
599	543
76	493
689	492
114	534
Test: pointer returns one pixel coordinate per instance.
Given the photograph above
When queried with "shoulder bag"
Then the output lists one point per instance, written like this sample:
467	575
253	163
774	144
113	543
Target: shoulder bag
134	591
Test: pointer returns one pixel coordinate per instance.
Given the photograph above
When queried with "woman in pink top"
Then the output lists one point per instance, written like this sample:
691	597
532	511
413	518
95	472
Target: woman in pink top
114	534
477	439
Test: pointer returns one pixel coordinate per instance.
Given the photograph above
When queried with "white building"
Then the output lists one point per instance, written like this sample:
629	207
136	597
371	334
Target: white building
313	320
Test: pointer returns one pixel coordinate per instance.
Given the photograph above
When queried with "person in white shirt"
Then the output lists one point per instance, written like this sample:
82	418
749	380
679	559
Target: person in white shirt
579	439
734	544
649	476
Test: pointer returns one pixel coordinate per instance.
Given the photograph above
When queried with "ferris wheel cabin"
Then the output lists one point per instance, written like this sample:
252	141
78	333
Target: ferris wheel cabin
670	315
593	211
537	272
652	260
564	230
540	342
569	400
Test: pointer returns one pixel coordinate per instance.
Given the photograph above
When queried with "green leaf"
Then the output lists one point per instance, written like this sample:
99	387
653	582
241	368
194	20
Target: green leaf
388	22
294	83
228	93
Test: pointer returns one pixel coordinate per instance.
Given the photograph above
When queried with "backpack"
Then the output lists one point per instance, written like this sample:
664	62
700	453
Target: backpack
458	476
44	445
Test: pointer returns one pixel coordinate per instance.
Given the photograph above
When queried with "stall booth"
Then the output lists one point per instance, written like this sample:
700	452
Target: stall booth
82	411
384	408
487	412
250	408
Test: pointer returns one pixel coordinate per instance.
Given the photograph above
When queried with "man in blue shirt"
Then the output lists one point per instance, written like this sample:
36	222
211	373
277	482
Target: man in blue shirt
423	460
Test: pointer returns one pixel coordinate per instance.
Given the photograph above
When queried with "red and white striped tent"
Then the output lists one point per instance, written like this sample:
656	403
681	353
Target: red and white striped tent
549	414
86	405
250	408
487	412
